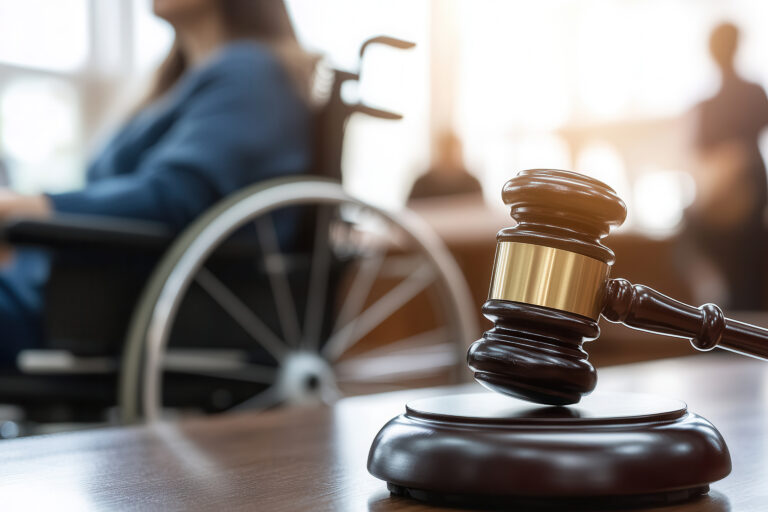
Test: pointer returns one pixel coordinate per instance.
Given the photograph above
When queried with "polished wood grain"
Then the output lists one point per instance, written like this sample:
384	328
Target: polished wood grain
644	308
314	458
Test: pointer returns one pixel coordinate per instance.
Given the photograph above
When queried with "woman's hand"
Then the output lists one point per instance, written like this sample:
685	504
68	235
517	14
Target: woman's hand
17	205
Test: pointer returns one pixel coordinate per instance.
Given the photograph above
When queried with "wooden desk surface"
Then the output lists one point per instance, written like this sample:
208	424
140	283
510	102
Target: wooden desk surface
314	458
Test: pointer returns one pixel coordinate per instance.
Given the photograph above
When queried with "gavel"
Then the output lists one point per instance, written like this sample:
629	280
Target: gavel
551	283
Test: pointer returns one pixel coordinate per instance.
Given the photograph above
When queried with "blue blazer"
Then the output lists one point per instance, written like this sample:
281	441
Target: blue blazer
233	122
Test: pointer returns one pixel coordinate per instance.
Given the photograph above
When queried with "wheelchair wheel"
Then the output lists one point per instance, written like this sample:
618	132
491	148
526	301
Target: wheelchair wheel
326	295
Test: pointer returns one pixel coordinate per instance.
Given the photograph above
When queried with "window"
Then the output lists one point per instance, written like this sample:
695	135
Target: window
63	65
44	52
41	134
44	34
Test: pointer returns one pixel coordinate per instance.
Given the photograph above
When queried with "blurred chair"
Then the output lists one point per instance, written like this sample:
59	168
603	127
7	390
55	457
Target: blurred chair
234	313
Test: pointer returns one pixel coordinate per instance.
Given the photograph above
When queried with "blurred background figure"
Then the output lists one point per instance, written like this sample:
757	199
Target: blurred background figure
447	176
228	108
727	219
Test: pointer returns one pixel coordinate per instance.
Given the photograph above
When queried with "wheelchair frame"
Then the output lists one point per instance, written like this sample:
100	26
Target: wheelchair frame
140	383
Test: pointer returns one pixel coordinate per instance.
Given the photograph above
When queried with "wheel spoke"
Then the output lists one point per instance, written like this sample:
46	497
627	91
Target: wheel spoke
330	394
211	358
318	281
241	313
422	340
415	363
255	373
401	265
359	289
379	311
276	266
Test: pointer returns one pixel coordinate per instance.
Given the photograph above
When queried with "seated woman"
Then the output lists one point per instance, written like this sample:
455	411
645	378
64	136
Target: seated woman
227	110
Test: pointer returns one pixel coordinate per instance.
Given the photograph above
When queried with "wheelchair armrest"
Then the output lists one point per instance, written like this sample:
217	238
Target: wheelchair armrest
87	232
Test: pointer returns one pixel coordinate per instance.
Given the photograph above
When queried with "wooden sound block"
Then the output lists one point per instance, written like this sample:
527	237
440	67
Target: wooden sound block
491	449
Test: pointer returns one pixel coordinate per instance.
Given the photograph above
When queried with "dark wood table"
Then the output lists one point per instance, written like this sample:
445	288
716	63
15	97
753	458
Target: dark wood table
313	458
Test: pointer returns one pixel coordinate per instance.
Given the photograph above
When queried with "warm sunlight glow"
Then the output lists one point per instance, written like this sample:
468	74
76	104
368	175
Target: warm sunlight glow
609	77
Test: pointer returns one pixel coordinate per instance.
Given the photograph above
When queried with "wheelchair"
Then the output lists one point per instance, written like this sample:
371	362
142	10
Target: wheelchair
288	291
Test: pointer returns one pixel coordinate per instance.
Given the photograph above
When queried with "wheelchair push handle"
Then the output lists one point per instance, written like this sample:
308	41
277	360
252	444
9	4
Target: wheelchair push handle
394	42
376	112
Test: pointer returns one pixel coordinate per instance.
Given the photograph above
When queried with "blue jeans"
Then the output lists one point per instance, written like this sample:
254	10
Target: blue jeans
21	304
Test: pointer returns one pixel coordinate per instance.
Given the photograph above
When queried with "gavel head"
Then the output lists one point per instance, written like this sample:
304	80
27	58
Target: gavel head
548	287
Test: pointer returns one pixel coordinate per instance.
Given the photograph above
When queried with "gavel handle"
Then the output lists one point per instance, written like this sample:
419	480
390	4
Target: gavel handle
644	308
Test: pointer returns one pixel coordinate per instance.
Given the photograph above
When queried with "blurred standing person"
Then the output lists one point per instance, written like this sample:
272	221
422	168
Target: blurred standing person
448	176
727	219
227	110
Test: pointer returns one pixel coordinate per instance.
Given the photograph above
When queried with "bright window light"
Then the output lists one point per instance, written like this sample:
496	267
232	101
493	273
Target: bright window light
660	198
39	130
502	158
37	118
44	34
603	162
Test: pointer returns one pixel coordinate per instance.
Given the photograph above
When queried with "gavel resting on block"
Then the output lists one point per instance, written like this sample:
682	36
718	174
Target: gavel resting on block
549	287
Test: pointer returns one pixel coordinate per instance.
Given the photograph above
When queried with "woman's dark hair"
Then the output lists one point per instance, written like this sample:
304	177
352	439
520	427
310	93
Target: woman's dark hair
266	21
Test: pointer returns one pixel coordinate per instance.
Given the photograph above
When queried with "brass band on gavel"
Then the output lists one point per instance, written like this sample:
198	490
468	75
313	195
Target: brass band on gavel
549	277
